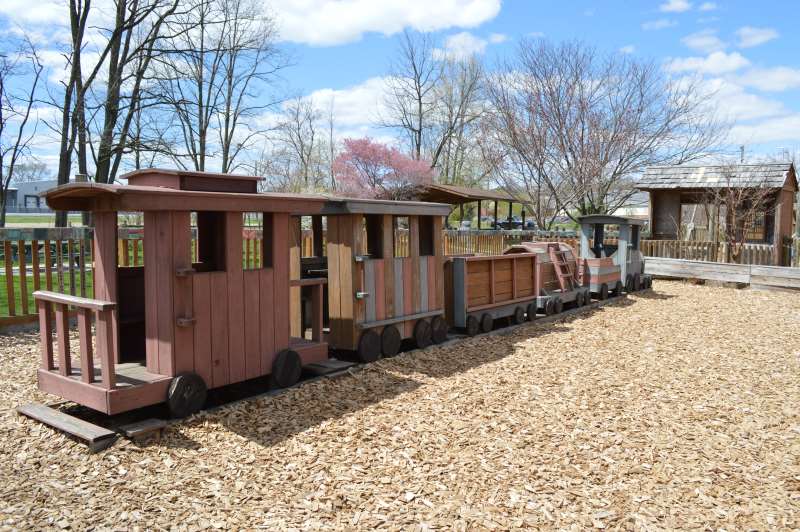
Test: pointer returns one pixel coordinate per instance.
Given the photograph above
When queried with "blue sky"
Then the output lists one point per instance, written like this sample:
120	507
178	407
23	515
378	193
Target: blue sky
746	51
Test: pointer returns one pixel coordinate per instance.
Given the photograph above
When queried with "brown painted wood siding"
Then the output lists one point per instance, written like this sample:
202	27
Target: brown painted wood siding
496	279
240	318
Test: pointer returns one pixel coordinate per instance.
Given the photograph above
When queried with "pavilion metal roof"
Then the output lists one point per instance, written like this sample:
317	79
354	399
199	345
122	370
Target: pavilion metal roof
769	175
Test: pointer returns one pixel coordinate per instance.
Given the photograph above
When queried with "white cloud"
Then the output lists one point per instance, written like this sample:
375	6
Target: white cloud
715	63
778	129
775	79
355	107
675	6
659	24
708	6
750	36
461	46
330	22
536	34
497	38
736	104
628	49
38	12
705	41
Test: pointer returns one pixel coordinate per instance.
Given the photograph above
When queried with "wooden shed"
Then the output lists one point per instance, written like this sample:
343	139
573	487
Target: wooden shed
197	316
672	188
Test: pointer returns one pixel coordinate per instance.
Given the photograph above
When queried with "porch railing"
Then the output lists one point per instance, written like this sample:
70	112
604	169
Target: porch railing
52	306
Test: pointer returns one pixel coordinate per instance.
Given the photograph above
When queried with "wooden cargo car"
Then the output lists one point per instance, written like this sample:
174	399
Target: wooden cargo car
481	289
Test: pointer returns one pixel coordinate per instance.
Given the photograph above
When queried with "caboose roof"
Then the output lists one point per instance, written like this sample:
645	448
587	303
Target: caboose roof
105	197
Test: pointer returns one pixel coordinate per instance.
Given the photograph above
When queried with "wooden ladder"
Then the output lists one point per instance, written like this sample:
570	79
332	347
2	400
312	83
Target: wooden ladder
566	277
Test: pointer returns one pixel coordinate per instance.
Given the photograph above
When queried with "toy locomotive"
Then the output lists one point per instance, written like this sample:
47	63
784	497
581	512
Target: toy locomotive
194	318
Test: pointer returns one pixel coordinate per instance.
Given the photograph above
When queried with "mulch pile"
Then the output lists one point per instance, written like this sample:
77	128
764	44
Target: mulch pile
676	408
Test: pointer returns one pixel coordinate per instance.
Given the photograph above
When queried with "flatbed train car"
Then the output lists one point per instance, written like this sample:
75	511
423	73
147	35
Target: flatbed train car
195	317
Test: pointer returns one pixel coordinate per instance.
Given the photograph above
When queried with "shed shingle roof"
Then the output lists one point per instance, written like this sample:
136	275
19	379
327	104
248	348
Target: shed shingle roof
771	175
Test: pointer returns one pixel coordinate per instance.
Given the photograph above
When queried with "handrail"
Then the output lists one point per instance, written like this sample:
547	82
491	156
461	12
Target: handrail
103	314
311	281
75	301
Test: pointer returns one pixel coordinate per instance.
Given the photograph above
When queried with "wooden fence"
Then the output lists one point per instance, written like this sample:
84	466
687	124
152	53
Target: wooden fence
761	254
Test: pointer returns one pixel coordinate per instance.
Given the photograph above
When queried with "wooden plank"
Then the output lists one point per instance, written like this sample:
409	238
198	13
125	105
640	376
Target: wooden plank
295	253
62	338
60	264
252	325
334	282
380	287
438	262
346	282
281	280
106	347
48	265
9	264
46	333
202	330
413	253
422	279
369	287
145	427
165	274
85	338
182	304
266	318
35	265
219	329
433	276
398	296
23	277
407	319
388	264
151	292
105	266
77	301
233	243
96	437
408	293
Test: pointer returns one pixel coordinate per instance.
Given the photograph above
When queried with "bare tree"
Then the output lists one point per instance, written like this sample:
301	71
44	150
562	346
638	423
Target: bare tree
585	123
16	130
742	206
222	59
410	101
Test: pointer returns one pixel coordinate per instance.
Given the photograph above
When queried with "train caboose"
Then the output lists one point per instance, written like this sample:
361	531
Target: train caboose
196	316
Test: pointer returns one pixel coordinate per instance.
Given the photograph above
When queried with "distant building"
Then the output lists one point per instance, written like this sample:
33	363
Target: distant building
24	198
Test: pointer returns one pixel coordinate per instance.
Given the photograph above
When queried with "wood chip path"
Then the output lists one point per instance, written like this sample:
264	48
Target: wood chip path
671	409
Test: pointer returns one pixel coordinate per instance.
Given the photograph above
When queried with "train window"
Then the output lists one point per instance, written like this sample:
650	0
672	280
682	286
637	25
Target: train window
253	240
267	224
401	231
426	236
209	243
373	225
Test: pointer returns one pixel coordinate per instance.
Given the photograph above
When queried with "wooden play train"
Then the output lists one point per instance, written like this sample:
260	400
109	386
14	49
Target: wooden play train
195	316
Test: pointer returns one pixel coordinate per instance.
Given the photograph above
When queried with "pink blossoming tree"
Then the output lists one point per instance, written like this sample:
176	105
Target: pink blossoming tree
369	169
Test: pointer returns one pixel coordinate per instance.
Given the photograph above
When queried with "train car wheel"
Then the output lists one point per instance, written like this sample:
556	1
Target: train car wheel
549	307
439	330
390	341
603	291
369	346
648	282
473	325
519	315
531	311
186	394
618	288
579	299
487	323
558	306
637	282
422	334
286	369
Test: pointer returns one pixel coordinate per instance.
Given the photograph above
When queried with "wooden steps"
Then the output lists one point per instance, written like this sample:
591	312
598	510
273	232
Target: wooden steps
97	438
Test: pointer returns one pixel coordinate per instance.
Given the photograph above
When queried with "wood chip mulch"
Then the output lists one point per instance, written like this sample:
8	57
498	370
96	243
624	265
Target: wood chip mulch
677	408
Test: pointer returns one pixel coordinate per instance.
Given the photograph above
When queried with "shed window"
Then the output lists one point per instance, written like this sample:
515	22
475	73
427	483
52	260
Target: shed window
426	236
209	242
401	231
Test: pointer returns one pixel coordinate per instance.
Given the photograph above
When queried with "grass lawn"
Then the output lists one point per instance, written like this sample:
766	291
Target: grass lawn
38	220
31	305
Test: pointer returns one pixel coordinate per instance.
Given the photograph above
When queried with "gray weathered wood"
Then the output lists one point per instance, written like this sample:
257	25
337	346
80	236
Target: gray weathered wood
760	276
143	428
97	438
